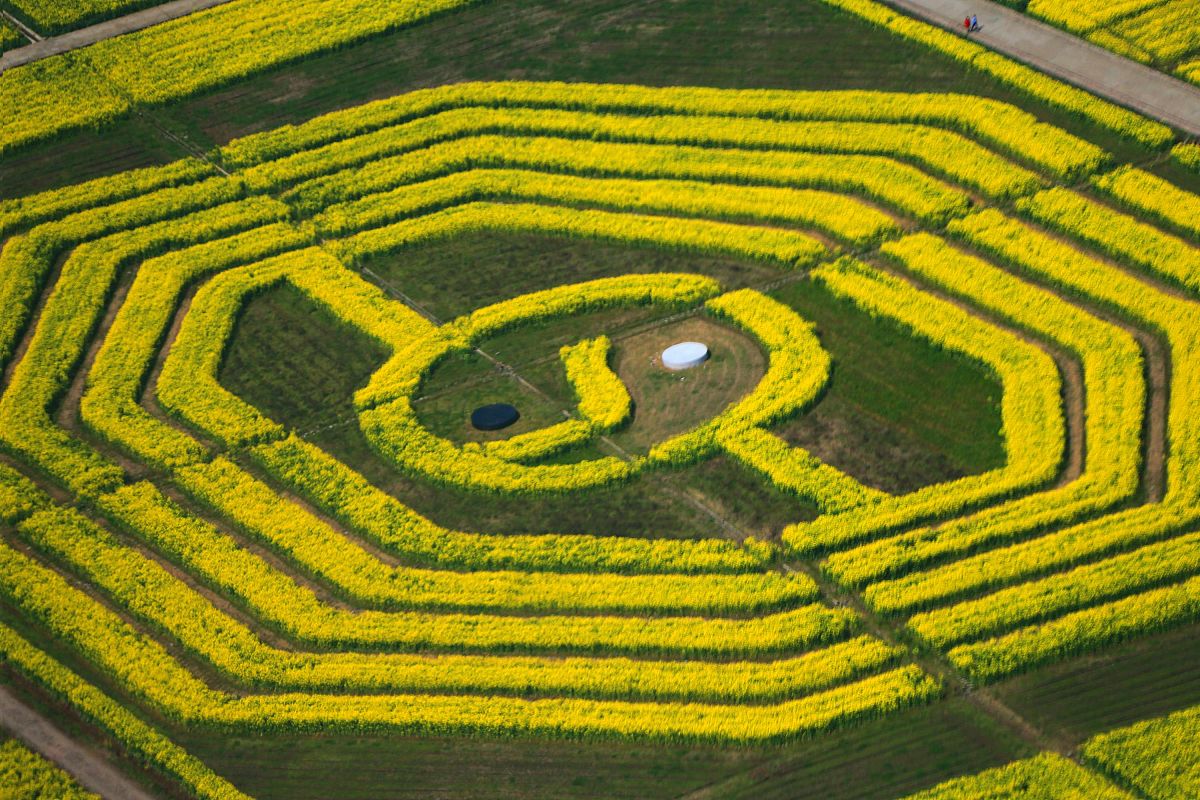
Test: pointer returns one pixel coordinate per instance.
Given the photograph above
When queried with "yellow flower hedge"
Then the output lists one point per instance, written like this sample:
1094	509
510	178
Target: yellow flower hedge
1031	409
603	399
1113	385
1047	776
1118	234
24	773
1153	196
137	738
144	668
390	622
1146	755
167	604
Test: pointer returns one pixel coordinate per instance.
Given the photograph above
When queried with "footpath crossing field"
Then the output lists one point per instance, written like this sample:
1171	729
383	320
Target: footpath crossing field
940	463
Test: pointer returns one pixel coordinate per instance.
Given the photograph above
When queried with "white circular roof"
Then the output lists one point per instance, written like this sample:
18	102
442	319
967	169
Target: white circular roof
684	355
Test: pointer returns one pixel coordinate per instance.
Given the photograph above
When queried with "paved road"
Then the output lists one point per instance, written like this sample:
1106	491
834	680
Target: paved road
103	30
89	768
1066	56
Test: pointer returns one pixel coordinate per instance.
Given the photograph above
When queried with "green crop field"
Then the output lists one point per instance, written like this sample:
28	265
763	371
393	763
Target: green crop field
923	524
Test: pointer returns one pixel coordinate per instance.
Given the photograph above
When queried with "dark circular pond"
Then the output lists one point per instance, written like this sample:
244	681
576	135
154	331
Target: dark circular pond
494	417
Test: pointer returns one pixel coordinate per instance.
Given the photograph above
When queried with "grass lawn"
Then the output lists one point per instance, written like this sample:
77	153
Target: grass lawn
1077	699
880	759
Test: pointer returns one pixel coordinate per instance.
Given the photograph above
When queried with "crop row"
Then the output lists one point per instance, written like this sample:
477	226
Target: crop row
1031	410
343	202
1138	571
603	399
1028	602
110	405
1151	195
845	218
357	574
1113	385
541	443
1059	152
301	614
1147	755
167	604
70	314
1117	234
794	470
353	500
146	670
1178	320
180	58
24	773
138	739
1175	317
996	123
295	609
1081	631
26	260
1047	776
143	511
932	149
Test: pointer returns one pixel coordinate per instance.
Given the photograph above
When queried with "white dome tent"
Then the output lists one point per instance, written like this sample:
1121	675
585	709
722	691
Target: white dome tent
684	355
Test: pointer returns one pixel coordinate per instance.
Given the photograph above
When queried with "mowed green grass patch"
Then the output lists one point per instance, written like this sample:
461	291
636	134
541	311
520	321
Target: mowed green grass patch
455	276
899	413
882	759
395	768
886	758
1077	699
297	362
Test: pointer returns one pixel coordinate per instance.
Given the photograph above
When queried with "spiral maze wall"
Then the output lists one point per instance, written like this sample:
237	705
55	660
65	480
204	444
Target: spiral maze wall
124	518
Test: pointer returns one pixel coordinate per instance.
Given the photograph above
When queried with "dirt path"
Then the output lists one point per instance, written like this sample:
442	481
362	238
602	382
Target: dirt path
73	40
1068	57
84	764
